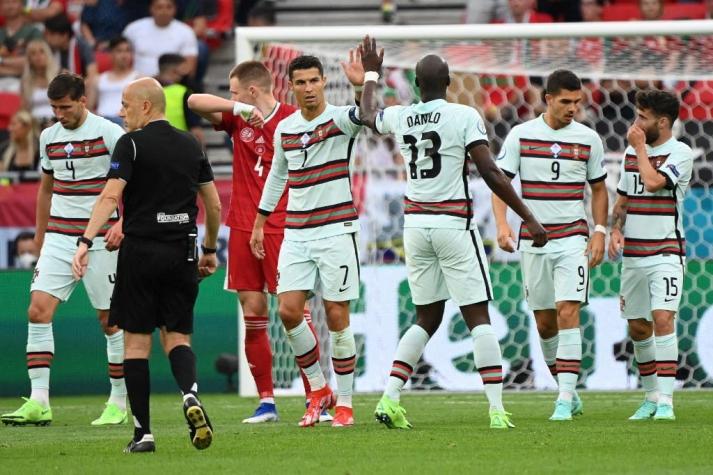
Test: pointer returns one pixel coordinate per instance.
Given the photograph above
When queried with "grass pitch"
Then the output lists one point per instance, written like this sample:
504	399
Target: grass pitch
450	435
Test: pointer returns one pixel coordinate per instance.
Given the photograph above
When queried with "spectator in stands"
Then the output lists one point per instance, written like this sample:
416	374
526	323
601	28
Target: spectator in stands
172	70
523	11
111	83
40	11
651	9
196	13
101	21
161	34
561	10
26	251
71	52
486	11
14	35
40	68
262	14
591	10
19	153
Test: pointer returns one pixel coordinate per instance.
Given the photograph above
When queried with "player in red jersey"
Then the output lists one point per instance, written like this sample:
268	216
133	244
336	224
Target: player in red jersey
250	118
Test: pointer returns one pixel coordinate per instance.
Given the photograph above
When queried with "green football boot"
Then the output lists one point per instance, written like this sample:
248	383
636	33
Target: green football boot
31	412
563	411
577	405
645	412
391	414
664	412
500	419
112	415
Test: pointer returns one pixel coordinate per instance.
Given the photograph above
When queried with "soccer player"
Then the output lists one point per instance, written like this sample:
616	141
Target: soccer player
250	117
655	174
444	252
75	154
555	155
312	152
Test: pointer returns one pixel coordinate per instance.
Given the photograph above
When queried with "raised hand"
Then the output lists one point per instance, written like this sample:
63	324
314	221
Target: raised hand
371	59
353	69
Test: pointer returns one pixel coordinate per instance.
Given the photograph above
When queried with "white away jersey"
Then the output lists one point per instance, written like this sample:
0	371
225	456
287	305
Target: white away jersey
312	157
434	138
79	162
654	221
554	166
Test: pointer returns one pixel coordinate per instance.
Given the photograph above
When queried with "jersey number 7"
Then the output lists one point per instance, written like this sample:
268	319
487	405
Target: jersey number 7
431	152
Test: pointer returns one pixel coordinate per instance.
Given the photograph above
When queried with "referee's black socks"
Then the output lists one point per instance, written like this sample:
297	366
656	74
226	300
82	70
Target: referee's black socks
138	387
183	366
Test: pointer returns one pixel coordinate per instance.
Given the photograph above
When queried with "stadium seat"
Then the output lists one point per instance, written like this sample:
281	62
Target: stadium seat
221	25
9	104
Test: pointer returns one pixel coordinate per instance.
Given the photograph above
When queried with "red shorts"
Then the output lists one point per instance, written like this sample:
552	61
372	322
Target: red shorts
245	271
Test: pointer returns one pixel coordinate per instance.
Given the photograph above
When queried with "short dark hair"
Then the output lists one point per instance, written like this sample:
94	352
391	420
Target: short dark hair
169	60
66	84
22	236
253	72
118	40
59	23
661	103
305	62
562	79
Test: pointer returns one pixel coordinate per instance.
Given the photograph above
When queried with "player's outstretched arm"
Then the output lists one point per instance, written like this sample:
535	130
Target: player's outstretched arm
616	238
500	184
371	60
211	108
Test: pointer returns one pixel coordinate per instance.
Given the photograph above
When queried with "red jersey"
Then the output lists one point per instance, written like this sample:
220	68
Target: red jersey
252	159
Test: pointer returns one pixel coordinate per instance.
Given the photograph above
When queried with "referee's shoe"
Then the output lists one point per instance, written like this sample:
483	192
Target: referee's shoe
200	428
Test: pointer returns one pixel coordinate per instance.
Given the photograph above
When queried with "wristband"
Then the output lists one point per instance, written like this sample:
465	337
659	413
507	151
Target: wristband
242	109
371	76
208	250
600	229
84	240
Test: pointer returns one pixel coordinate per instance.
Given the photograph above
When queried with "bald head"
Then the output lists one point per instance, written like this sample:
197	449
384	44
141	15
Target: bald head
143	101
432	76
150	90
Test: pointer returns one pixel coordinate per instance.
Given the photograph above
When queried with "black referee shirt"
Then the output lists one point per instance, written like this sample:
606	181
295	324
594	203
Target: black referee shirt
162	167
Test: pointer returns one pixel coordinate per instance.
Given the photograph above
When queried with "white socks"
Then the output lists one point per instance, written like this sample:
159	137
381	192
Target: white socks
489	361
569	358
115	357
344	362
40	352
408	352
304	344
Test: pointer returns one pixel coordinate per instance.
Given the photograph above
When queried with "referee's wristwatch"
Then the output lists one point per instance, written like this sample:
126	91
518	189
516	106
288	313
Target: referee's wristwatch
87	241
208	250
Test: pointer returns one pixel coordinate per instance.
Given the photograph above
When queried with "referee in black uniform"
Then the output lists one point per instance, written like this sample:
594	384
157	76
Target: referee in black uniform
158	170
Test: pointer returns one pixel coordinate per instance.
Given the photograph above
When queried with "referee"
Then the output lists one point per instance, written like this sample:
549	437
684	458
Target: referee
158	170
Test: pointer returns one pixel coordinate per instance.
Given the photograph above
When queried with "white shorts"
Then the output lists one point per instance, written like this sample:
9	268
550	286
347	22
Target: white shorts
53	274
333	261
645	289
555	277
446	263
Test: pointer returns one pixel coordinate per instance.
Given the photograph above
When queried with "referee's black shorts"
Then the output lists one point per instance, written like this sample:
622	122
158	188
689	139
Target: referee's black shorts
155	287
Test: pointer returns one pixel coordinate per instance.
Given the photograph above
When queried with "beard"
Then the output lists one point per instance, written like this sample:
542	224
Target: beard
652	135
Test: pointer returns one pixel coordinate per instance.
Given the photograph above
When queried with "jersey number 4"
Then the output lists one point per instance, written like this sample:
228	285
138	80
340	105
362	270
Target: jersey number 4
431	152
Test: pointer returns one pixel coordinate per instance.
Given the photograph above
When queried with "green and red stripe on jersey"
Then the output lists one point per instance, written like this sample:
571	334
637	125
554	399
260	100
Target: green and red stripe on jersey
547	190
344	366
559	231
336	213
491	374
89	187
318	174
632	165
651	205
75	226
544	149
321	133
401	370
80	149
653	247
458	208
39	359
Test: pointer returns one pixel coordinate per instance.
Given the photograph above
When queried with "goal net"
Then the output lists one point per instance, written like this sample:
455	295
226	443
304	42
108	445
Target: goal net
500	70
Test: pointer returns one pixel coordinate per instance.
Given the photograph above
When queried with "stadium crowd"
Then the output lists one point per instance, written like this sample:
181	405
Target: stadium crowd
112	43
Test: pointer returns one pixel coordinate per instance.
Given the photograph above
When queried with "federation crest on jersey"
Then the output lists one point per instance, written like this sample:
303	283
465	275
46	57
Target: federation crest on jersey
658	162
247	134
304	139
69	148
555	149
575	151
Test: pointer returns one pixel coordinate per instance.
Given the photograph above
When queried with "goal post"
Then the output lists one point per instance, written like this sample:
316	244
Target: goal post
499	70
